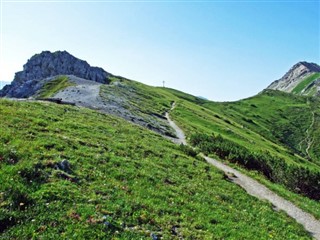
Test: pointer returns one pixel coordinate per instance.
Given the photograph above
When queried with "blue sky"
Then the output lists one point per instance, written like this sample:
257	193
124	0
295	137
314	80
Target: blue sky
222	50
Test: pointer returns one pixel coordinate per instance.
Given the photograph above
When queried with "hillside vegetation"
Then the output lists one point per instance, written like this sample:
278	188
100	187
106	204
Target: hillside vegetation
285	119
245	139
246	124
69	172
105	166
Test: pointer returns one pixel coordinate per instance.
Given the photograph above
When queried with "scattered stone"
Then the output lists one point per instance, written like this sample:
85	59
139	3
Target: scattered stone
64	165
154	236
174	230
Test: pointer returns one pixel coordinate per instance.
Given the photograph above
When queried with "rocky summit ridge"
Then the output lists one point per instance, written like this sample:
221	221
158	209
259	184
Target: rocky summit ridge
303	74
44	66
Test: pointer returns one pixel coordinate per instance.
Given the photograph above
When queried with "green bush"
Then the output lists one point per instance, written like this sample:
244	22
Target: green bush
298	179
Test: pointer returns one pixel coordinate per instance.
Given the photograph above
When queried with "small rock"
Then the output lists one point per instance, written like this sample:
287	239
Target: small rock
174	230
107	224
154	236
64	165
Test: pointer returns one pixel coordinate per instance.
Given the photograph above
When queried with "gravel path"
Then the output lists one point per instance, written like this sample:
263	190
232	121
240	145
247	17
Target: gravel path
256	189
310	140
181	138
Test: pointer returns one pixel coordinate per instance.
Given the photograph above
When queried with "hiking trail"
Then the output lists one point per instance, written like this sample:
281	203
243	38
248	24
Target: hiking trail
256	189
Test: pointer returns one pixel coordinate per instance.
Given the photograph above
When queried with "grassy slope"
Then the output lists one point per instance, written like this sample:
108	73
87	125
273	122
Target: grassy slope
272	120
139	96
238	122
280	118
201	119
197	115
302	86
119	185
135	97
54	86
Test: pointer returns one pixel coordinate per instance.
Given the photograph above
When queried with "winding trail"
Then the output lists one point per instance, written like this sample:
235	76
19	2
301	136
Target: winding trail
181	138
256	189
307	139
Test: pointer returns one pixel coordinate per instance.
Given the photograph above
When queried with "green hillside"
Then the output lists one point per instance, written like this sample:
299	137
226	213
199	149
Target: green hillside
238	123
279	117
73	173
249	141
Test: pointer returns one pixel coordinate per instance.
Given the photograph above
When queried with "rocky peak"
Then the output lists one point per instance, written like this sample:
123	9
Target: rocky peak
46	65
311	67
294	76
301	69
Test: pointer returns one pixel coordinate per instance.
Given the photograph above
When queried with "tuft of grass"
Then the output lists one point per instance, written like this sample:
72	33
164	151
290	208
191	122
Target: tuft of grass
52	87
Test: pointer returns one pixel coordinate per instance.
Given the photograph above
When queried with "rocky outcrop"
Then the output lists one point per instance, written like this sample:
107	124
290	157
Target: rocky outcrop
294	76
23	89
42	67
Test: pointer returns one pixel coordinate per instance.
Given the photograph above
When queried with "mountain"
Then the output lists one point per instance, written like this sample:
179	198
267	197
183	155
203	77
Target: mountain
42	67
101	175
302	79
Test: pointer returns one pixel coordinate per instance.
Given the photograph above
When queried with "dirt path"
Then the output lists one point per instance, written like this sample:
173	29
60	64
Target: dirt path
181	138
308	139
258	190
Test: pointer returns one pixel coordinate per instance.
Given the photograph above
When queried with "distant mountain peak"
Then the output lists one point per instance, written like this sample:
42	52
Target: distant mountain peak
49	64
302	79
313	67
